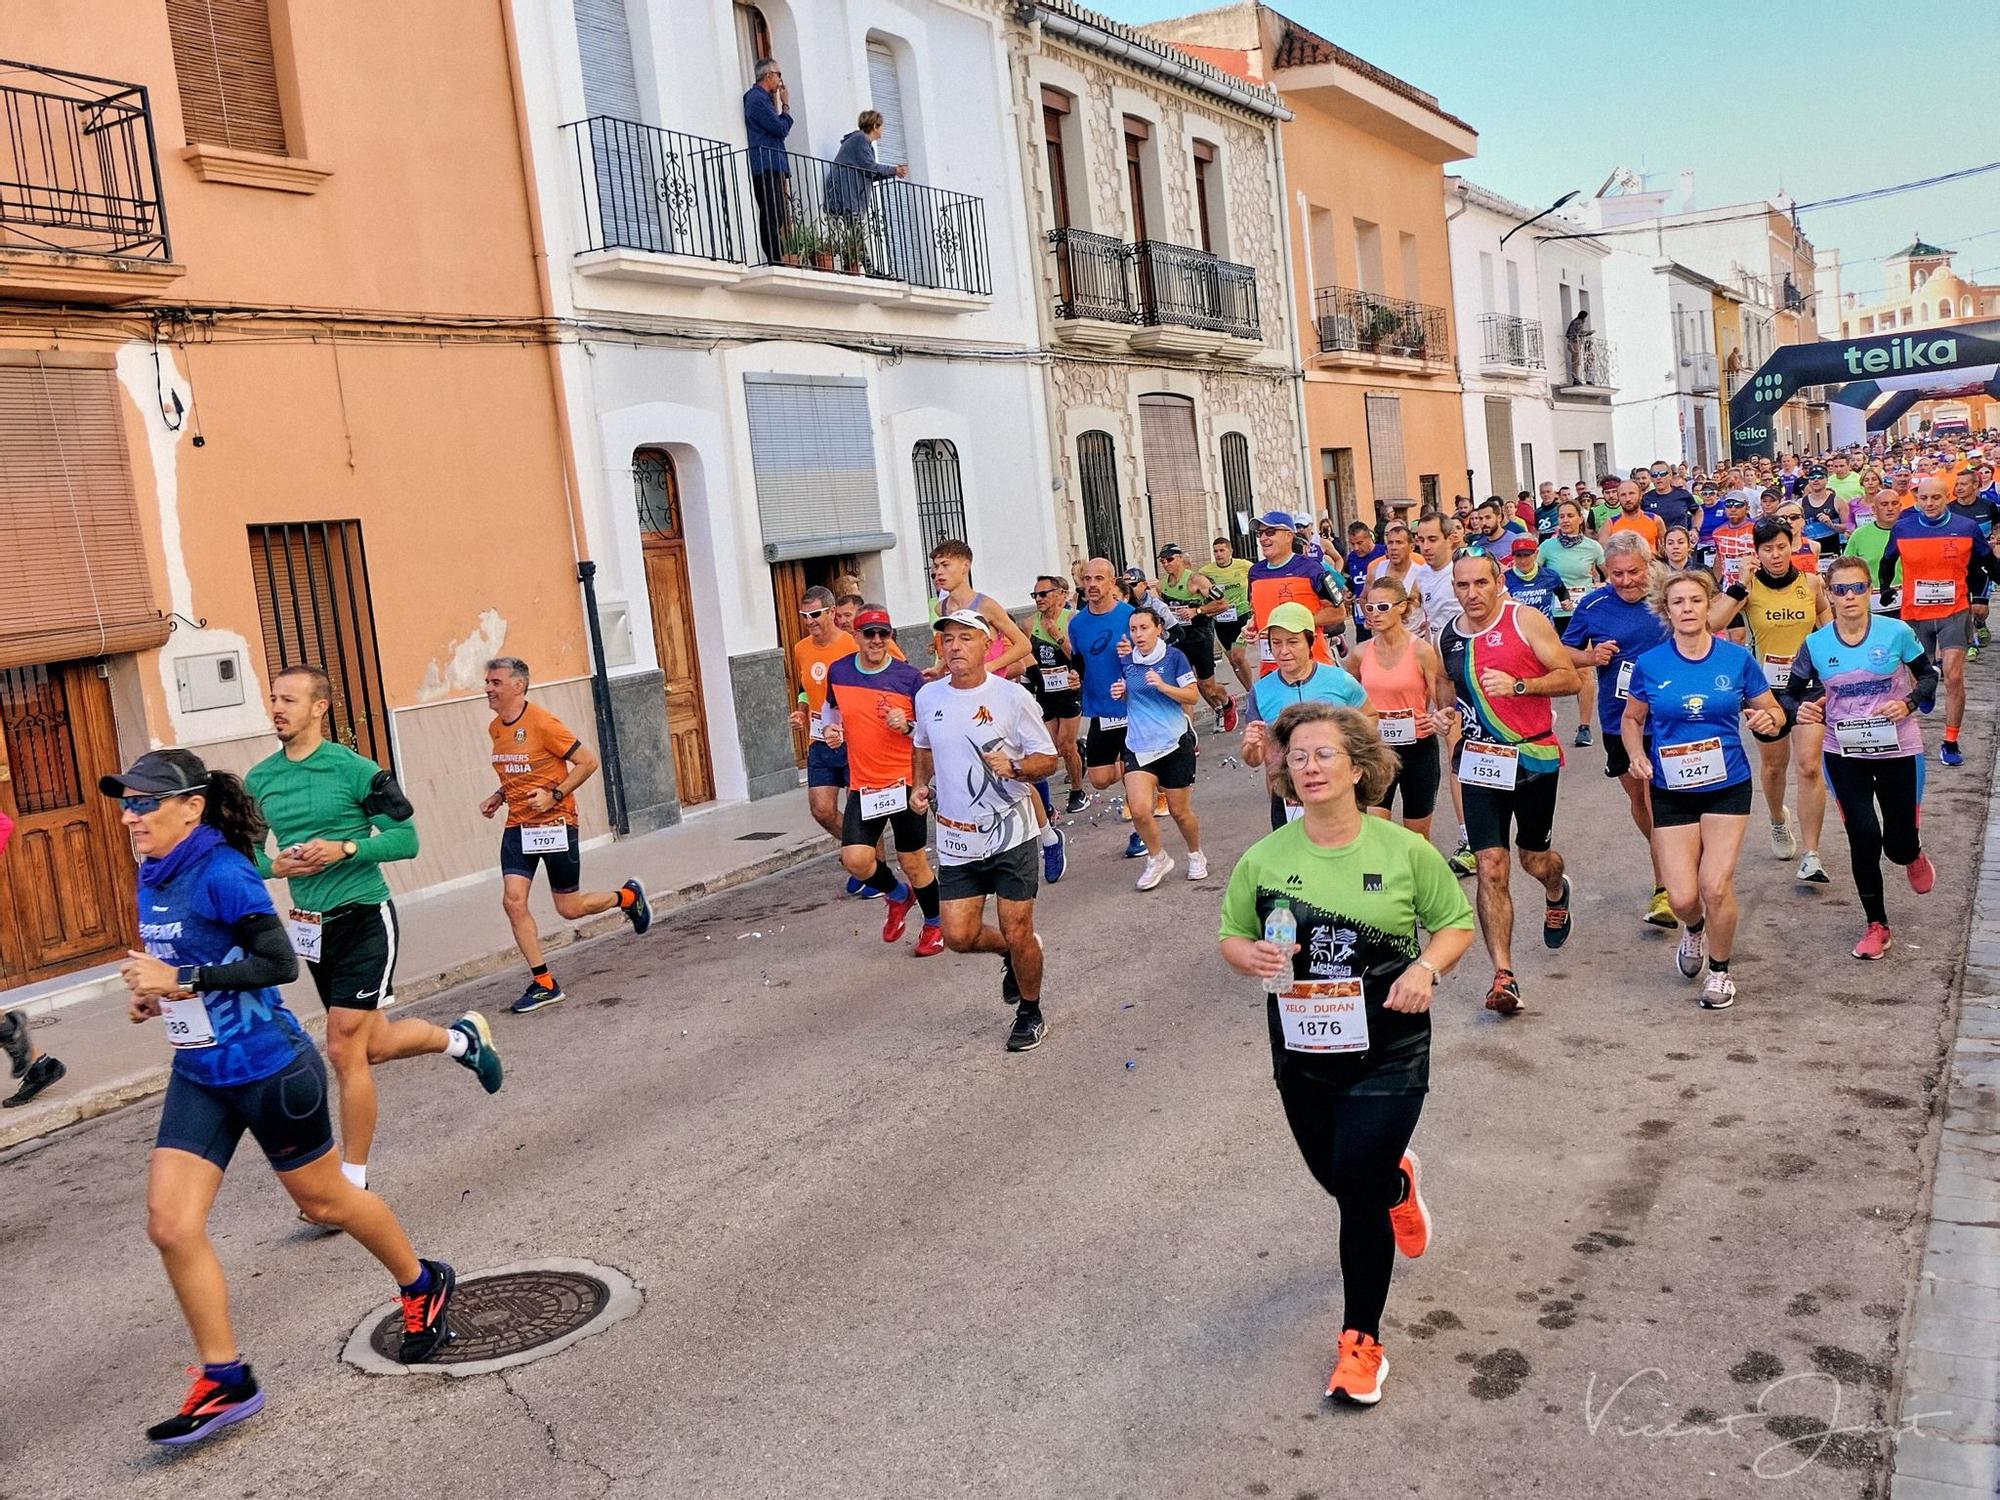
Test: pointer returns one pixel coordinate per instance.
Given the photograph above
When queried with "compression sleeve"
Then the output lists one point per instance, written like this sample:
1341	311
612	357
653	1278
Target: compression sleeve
1923	696
268	957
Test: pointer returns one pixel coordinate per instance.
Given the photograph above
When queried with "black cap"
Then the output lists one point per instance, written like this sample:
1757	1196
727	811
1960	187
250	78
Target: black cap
161	773
1172	549
1133	575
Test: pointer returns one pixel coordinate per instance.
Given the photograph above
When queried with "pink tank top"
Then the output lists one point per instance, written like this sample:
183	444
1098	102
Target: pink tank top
1398	689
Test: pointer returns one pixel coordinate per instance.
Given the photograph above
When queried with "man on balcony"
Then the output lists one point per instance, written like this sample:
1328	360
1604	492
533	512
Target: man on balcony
767	120
1575	336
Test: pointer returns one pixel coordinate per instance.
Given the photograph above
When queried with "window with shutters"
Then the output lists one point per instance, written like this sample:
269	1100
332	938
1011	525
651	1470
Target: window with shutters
74	579
1103	517
885	94
1238	499
312	598
812	454
1388	470
753	39
940	497
1176	496
227	70
1210	223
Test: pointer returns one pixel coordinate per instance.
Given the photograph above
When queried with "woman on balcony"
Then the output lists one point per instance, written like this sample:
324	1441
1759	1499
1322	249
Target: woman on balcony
850	186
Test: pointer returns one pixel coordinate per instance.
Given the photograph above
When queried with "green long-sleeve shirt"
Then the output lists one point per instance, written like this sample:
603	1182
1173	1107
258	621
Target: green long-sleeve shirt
320	798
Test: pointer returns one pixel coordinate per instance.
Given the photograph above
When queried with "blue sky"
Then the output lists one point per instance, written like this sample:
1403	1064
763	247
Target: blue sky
1754	98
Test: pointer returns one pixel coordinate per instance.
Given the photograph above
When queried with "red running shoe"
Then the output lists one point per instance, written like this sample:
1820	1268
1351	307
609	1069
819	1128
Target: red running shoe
1411	1219
1922	873
1363	1367
897	916
930	941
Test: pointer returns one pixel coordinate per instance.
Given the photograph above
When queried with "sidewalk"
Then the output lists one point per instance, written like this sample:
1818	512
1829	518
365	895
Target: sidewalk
447	939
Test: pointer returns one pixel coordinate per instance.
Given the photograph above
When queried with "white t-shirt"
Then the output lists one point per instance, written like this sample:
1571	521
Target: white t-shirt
980	814
1433	586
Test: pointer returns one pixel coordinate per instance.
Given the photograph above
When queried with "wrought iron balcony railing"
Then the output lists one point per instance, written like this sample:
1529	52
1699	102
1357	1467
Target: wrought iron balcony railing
1153	283
1704	374
1588	361
79	168
1350	321
1093	276
1510	340
650	189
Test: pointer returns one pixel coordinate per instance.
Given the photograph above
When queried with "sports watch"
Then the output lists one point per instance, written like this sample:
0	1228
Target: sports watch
185	976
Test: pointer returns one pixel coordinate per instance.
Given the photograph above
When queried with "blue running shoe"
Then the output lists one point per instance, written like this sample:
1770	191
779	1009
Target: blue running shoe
1055	858
854	887
210	1406
536	996
1135	847
1950	754
481	1056
640	912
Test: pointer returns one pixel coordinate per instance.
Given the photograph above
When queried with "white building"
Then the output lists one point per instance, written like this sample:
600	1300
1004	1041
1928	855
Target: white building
1669	403
1537	398
745	427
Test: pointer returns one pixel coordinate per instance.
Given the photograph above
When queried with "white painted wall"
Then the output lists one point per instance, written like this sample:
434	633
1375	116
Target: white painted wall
1473	233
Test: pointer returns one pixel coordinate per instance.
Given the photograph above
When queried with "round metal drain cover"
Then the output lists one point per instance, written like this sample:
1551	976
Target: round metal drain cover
504	1317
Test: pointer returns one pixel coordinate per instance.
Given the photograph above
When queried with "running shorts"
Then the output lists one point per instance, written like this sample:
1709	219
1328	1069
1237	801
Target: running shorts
1197	643
826	766
1529	806
1174	770
912	828
285	1112
1226	631
1103	744
1617	760
1952	633
1012	875
1681	809
357	964
1416	778
1059	706
565	866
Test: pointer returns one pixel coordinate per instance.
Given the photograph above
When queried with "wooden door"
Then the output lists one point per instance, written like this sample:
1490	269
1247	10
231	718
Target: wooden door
68	885
665	550
788	590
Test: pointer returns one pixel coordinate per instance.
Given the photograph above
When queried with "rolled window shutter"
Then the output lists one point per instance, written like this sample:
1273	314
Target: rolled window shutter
812	452
885	89
1175	494
228	74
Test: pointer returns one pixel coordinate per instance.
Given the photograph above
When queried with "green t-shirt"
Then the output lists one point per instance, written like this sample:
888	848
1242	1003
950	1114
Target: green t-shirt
1233	578
1848	486
1358	908
1572	562
320	798
1602	516
1867	542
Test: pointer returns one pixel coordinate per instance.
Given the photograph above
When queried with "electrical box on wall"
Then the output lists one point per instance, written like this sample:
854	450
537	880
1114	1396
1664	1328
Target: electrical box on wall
615	620
213	681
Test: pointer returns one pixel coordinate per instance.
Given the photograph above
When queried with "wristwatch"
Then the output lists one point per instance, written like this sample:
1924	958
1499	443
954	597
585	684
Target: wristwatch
185	976
1437	974
556	795
349	849
1520	687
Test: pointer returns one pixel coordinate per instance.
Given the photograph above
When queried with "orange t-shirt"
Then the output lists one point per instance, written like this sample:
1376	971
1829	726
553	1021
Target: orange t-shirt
530	754
1648	525
813	660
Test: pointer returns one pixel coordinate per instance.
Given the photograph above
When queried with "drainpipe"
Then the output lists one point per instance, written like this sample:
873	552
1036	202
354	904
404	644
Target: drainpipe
586	570
1458	354
1298	343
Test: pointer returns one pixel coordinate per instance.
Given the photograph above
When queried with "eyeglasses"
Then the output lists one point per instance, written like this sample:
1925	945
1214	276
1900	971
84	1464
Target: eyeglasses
876	633
1270	531
148	802
1849	589
1298	760
811	614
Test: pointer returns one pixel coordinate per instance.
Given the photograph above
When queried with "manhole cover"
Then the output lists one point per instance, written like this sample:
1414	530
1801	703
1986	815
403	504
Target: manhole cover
506	1316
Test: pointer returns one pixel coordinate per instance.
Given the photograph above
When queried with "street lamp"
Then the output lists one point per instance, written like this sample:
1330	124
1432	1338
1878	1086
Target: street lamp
1572	193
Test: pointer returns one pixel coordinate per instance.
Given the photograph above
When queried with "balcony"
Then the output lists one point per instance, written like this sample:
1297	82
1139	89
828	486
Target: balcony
1363	330
1703	375
1153	297
80	213
1588	369
665	206
1511	345
1813	395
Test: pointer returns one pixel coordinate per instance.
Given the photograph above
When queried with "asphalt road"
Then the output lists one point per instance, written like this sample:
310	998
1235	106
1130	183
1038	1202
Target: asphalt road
882	1257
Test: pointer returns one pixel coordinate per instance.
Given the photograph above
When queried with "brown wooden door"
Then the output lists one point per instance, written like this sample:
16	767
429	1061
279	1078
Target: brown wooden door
68	888
665	550
788	588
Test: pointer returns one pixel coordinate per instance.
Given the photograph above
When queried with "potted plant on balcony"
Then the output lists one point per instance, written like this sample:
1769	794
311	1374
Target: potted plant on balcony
798	241
825	245
1381	326
1413	337
851	234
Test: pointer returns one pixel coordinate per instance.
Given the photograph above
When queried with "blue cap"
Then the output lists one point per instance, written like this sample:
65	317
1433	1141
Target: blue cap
1282	518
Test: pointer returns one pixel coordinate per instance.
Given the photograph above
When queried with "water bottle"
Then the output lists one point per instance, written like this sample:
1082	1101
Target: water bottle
1282	929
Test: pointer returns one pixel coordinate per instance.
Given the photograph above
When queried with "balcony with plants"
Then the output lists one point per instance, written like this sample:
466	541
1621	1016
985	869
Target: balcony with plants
1365	330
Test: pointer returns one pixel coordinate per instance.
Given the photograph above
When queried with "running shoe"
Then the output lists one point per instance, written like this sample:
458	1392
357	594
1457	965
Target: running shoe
1010	987
1078	801
1922	873
536	996
42	1072
1875	942
640	912
1362	1367
1504	995
1692	953
1230	717
209	1407
1812	871
1197	865
426	1329
1720	991
1950	754
1463	861
1556	922
14	1041
1784	842
1660	912
1582	740
1158	868
1055	858
1971	654
930	941
481	1056
1135	847
1029	1028
1411	1219
896	919
854	887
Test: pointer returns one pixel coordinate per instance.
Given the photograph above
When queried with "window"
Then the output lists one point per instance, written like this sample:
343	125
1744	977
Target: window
1486	281
1429	493
1514	288
1583	300
1336	483
657	493
1325	265
1238	493
311	580
228	74
1137	134
1413	283
1499	446
1207	204
1563	298
40	740
1388	471
1097	472
753	40
812	454
885	92
1527	470
1176	497
940	498
1056	107
1368	255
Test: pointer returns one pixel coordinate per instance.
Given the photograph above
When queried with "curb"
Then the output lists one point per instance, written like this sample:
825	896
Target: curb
104	1098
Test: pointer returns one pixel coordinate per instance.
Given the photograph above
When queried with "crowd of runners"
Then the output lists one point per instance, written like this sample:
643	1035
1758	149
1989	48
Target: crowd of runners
1818	607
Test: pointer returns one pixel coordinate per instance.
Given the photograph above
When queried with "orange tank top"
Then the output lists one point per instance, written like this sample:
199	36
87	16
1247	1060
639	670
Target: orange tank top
1398	689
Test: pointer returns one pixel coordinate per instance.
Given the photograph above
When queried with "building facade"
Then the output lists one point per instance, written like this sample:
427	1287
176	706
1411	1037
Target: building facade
267	395
1669	403
1922	289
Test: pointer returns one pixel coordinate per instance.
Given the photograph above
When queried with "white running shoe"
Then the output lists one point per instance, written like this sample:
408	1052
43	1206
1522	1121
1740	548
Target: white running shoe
1157	869
1720	991
1812	871
1691	954
1197	865
1784	842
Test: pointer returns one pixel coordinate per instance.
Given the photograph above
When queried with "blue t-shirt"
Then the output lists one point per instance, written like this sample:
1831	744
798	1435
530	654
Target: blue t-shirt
1093	641
1357	568
1713	516
1691	703
1154	723
1545	591
1273	695
189	904
1603	616
1674	508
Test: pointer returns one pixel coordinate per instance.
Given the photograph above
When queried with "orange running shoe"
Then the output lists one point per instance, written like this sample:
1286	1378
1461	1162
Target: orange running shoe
1362	1369
1411	1219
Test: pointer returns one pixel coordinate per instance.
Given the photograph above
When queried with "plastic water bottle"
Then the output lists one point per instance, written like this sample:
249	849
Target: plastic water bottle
1282	929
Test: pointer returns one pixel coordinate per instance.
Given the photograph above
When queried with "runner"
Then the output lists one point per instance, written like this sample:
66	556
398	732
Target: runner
338	818
1353	1082
1096	633
1861	678
1668	498
1612	628
1869	540
1404	682
1691	690
1631	518
1677	549
870	699
1942	556
1362	553
540	763
845	608
1531	584
1398	557
1819	509
1231	574
1579	562
1505	665
1195	601
1156	689
1281	576
1782	606
1968	501
215	956
1298	679
980	745
824	643
1056	682
1733	541
1431	585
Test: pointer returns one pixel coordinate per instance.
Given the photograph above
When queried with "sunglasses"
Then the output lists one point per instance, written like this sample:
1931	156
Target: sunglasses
1849	589
1380	606
149	802
876	633
1042	593
811	614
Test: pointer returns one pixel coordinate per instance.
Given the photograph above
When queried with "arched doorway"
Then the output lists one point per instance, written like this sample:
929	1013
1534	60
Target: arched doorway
657	492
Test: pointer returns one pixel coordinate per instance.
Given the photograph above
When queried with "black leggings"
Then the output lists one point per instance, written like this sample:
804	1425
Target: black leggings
1353	1143
1857	786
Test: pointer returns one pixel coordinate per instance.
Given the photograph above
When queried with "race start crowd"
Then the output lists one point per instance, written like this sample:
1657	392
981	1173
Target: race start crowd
1820	606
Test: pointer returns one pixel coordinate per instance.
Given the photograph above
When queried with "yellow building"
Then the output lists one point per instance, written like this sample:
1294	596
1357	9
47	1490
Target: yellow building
1921	290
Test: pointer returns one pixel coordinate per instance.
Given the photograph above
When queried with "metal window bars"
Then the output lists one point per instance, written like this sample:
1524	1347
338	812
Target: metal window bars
1350	320
1511	340
79	167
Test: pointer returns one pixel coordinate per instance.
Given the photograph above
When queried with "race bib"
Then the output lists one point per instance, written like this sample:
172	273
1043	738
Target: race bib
1482	763
816	726
545	838
1399	726
1933	591
1118	723
1264	648
187	1023
1691	767
1057	679
1863	738
1324	1015
303	927
1227	616
1623	687
1778	670
890	799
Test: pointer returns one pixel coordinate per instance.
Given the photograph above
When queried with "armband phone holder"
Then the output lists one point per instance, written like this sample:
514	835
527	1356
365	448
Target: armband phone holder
385	798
